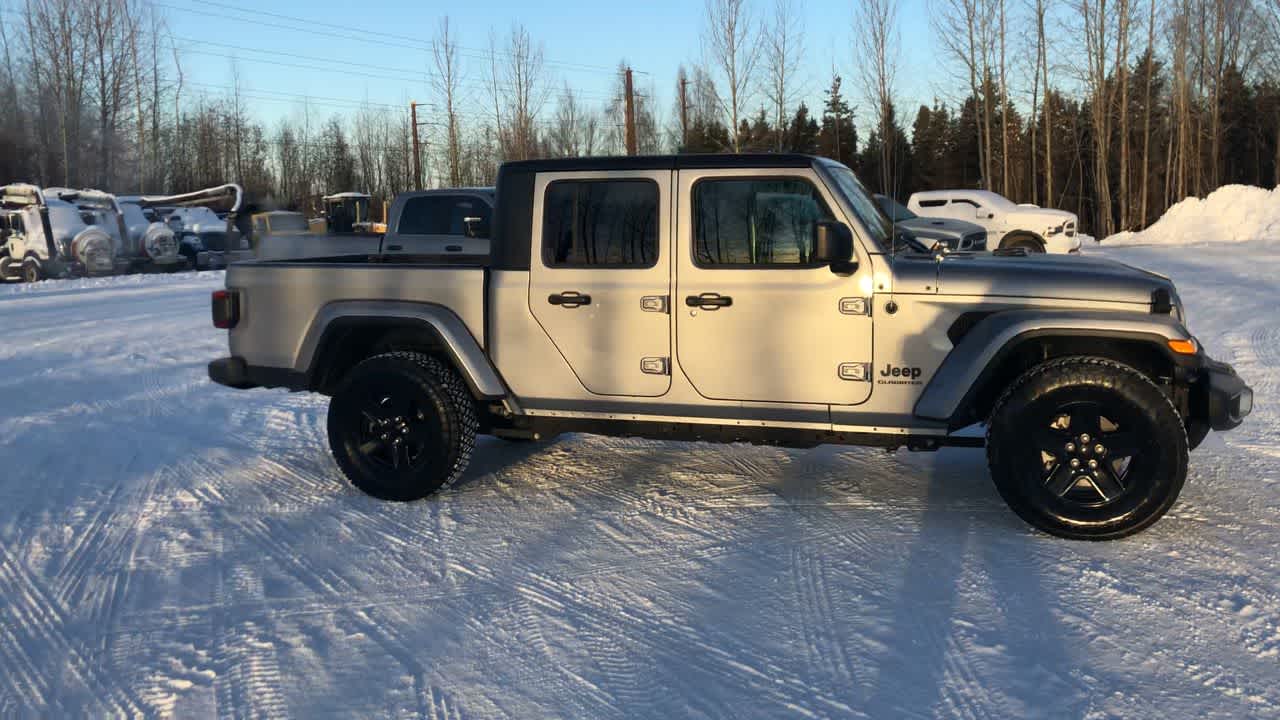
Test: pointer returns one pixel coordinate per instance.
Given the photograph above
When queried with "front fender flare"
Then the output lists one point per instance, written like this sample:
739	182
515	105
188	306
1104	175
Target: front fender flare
988	341
467	355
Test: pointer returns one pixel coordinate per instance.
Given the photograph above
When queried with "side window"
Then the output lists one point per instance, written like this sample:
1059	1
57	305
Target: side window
755	223
600	223
469	217
426	215
965	201
932	203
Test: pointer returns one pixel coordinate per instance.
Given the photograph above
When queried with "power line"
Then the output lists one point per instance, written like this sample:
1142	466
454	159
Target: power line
347	33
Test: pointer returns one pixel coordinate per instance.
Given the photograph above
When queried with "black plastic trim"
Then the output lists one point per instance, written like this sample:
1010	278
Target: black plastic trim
963	415
233	372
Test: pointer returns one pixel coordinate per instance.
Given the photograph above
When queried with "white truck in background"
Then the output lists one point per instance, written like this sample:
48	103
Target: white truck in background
1009	226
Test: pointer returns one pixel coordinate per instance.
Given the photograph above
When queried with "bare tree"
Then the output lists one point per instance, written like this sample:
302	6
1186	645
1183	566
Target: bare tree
1042	9
564	138
876	40
1123	21
963	26
1146	119
518	87
444	50
1004	102
784	49
735	51
1097	27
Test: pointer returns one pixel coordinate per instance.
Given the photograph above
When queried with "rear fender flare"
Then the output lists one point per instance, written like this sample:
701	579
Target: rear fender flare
981	348
464	351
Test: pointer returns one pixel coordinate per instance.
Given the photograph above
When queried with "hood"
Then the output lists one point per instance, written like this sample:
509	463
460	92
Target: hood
1046	213
936	228
1048	276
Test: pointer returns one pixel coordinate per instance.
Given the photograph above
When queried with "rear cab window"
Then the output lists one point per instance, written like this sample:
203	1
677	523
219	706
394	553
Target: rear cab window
600	224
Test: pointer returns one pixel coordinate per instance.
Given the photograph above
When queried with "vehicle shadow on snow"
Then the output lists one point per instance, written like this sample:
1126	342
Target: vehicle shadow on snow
938	650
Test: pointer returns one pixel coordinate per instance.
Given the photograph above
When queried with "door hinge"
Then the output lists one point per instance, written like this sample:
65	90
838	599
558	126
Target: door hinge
655	303
655	366
855	306
855	372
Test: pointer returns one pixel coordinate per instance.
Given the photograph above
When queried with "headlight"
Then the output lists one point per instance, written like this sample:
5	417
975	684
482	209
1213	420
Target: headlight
158	242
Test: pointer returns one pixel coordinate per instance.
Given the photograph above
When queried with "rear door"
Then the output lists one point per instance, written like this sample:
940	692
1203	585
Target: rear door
600	278
441	224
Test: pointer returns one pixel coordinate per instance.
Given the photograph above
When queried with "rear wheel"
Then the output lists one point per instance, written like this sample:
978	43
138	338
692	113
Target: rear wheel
402	426
1087	448
1026	242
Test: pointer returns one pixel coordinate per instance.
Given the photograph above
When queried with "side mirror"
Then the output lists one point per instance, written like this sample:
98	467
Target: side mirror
475	227
832	243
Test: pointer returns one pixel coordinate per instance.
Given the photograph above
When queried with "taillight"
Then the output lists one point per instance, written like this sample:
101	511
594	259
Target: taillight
226	309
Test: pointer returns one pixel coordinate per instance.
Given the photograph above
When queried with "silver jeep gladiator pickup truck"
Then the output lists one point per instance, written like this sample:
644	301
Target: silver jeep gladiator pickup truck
755	298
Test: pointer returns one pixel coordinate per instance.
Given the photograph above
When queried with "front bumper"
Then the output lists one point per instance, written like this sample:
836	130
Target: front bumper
1220	399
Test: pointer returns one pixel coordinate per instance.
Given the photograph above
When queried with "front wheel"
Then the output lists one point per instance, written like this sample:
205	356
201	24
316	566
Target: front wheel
402	426
31	271
1030	244
1087	448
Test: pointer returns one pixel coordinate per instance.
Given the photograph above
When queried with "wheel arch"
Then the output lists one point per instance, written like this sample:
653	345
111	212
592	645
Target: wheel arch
1014	235
1001	347
344	334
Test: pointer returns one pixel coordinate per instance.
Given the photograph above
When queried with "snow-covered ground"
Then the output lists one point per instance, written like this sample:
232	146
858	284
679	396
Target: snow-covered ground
168	546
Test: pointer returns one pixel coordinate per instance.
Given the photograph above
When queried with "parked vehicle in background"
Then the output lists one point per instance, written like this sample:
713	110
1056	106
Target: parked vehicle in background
739	298
57	232
149	245
348	213
427	224
207	239
1008	225
932	232
444	222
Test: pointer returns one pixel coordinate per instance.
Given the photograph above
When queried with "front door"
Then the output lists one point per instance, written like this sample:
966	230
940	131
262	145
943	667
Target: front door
756	318
600	287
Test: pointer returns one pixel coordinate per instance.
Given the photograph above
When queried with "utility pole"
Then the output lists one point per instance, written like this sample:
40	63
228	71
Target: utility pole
417	154
631	113
684	114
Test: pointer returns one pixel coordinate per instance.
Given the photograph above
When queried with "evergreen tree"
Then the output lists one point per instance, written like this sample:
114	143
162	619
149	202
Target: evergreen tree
838	138
802	134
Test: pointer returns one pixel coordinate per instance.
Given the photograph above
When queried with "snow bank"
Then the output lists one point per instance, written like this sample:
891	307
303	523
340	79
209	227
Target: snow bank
1232	213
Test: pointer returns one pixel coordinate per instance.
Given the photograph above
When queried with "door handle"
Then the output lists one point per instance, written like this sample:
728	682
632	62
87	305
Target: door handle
708	301
453	248
569	299
395	248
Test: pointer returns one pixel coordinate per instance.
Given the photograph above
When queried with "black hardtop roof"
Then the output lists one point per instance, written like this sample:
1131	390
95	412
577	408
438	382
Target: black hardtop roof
664	162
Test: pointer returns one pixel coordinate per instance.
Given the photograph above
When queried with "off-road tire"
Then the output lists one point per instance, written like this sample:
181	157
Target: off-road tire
31	271
438	433
1025	420
1030	243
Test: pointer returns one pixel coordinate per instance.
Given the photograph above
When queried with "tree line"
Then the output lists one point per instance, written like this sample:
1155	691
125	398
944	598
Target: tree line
1114	109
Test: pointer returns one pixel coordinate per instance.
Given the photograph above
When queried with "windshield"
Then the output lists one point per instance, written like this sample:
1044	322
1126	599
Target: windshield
288	222
860	201
896	211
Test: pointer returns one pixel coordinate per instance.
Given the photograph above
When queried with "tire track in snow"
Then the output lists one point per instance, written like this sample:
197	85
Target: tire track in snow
667	635
808	575
37	621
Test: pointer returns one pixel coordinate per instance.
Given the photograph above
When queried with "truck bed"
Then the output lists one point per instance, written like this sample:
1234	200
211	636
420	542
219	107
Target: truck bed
284	303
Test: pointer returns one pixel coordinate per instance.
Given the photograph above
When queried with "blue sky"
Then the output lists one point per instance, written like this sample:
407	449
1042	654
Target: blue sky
382	55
